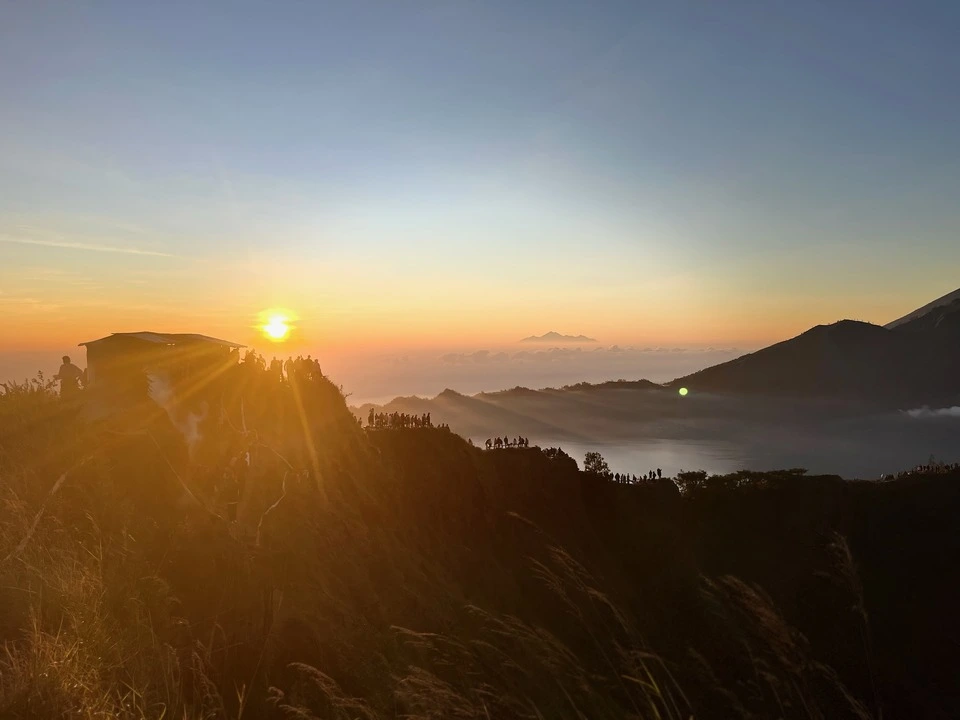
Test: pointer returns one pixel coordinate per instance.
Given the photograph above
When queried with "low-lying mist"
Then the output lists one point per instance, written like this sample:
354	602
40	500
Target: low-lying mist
926	413
642	429
378	378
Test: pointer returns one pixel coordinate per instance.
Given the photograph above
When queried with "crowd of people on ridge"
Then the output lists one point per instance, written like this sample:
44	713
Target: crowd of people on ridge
505	442
930	468
292	368
522	442
630	479
397	420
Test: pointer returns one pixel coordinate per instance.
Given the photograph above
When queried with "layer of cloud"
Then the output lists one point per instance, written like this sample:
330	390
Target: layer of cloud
571	354
384	376
927	413
91	247
479	357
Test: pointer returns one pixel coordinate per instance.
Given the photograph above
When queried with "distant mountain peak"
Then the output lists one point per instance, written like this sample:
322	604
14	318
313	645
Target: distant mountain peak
556	337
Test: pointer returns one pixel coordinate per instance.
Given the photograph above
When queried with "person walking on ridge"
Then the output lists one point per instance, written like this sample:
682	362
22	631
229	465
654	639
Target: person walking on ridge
69	376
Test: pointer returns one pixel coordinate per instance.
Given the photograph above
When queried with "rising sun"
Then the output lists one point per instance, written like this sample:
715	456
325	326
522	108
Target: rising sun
276	328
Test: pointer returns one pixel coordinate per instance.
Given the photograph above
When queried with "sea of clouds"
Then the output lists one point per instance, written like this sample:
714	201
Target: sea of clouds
378	378
926	413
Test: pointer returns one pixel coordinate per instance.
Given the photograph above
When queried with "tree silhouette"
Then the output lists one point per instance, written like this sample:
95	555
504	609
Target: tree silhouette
594	464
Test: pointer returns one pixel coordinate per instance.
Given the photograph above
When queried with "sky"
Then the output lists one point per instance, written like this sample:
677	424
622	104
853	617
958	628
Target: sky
450	176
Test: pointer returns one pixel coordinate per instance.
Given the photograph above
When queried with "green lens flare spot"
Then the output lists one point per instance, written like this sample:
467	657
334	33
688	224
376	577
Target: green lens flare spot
683	392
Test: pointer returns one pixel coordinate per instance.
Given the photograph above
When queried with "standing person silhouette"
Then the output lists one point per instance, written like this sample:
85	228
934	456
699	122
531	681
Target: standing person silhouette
69	376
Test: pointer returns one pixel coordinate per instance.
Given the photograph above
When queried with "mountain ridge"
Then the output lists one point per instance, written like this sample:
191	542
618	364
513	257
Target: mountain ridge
554	336
950	299
517	391
910	361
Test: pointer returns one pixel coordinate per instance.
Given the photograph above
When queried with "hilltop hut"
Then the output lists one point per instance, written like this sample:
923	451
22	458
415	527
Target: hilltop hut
124	363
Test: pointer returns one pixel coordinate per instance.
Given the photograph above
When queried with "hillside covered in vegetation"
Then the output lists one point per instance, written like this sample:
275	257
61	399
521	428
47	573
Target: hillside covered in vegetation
253	552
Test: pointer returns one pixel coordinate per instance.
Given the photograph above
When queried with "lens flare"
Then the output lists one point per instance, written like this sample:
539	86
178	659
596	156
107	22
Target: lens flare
683	392
277	328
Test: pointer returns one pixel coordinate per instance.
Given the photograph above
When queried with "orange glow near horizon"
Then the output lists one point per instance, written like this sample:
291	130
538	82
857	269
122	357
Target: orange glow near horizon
57	316
362	333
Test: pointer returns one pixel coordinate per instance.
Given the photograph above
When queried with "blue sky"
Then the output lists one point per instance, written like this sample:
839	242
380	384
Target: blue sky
641	172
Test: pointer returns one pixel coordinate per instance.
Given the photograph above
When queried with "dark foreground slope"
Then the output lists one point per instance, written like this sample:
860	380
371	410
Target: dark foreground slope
405	573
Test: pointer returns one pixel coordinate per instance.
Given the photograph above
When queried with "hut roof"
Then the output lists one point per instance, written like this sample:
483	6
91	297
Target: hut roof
165	339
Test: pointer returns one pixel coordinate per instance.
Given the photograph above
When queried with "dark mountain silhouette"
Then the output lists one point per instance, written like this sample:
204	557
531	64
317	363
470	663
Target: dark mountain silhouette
912	360
485	413
578	387
517	391
581	413
934	308
614	385
939	324
547	412
839	358
555	337
415	403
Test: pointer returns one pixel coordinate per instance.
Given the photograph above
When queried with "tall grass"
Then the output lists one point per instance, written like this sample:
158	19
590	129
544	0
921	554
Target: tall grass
360	580
500	666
